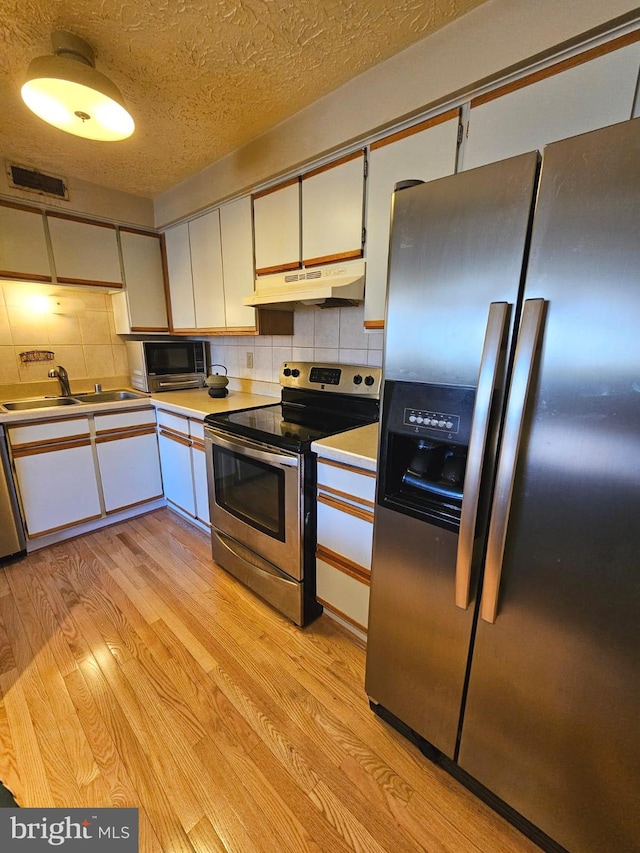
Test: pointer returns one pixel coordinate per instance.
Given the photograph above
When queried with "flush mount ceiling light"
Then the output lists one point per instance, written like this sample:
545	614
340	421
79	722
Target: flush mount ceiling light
66	91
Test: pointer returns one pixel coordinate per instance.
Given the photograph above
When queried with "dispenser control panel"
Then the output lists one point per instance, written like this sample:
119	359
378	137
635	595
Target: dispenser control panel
432	420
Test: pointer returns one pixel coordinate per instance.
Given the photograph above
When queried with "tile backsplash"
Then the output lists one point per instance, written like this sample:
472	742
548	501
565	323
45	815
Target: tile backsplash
83	338
329	334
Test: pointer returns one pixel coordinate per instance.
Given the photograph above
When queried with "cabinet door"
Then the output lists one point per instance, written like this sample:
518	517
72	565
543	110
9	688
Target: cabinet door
23	245
129	469
276	222
183	314
206	271
575	100
144	280
84	252
332	209
237	263
58	488
424	152
177	477
200	481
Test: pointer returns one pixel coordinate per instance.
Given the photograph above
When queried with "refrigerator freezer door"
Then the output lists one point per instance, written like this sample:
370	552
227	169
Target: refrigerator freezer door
450	260
551	719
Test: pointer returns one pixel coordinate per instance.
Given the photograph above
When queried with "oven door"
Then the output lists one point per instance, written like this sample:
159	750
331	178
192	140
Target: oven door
255	497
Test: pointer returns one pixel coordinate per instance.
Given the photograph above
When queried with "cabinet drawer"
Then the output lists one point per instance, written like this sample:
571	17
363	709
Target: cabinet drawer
346	596
116	421
173	422
196	429
33	433
346	531
347	481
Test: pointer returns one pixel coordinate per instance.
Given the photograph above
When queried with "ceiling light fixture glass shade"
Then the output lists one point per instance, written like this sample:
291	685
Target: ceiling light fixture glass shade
66	91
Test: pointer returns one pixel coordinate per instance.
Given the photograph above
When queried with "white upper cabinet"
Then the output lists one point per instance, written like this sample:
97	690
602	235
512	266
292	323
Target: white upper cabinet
237	262
276	222
206	270
183	312
84	252
332	211
142	306
424	152
553	104
23	244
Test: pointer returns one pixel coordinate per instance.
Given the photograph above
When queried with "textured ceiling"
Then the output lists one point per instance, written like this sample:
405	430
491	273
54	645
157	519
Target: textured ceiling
201	77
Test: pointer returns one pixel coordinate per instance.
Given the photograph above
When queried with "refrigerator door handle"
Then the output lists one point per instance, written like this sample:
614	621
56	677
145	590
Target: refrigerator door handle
487	377
528	340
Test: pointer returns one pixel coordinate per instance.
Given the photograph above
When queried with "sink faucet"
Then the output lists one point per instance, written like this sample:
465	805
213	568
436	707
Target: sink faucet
62	376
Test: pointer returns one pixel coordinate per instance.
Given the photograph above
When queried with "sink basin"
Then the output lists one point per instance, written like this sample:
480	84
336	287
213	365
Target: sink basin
40	403
109	396
54	402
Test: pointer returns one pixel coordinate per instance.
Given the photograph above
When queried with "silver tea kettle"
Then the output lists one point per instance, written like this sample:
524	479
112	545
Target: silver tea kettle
217	383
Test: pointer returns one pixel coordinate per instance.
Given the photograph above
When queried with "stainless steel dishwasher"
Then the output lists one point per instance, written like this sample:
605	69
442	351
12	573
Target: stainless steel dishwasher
12	542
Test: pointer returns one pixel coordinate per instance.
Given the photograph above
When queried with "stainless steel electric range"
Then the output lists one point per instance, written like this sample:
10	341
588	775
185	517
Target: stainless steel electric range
262	479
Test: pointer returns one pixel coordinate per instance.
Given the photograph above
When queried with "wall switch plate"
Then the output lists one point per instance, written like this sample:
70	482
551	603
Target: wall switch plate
250	360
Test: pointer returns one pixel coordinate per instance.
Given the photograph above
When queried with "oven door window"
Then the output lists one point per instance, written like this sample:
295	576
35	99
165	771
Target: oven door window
250	490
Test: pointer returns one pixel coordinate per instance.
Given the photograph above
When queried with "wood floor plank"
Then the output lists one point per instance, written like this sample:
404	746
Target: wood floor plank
170	687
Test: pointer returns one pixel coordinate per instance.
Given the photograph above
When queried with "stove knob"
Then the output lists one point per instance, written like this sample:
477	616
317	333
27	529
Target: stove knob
369	380
295	372
287	371
357	379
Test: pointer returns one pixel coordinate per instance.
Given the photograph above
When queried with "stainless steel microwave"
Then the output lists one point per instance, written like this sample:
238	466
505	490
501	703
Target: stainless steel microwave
167	365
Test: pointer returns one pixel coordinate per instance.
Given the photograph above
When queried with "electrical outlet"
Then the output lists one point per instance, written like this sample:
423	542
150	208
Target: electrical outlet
250	360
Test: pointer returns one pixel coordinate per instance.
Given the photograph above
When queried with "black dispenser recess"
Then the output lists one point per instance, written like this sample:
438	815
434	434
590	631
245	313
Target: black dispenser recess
425	437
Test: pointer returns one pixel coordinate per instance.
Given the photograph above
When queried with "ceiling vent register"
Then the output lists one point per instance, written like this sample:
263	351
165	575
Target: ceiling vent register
23	178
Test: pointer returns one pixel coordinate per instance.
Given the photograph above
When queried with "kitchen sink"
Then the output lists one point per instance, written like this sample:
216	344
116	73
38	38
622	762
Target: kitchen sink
109	396
40	403
54	402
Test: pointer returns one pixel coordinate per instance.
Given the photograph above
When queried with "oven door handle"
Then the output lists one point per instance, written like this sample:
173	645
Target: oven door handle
250	448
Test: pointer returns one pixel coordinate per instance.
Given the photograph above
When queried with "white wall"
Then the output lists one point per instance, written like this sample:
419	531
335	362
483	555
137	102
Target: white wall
491	38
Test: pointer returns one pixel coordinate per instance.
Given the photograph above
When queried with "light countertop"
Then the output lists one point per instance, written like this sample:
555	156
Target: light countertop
358	447
197	403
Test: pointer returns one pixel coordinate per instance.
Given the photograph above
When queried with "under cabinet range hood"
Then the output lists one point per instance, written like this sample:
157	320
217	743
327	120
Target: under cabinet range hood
327	286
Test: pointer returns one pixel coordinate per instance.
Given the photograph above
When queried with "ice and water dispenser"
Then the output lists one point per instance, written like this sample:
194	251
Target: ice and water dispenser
425	437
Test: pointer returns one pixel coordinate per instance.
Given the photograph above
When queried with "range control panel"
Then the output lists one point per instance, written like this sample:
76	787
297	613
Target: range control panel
433	420
360	380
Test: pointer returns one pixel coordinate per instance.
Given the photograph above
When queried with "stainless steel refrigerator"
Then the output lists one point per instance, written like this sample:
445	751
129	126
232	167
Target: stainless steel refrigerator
504	627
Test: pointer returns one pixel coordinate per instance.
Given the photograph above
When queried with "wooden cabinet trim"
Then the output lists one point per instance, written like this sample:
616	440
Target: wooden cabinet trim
346	467
131	506
416	128
87	281
65	526
345	495
333	609
339	162
49	446
558	68
18	206
122	433
54	214
290	183
197	443
331	259
374	324
40	421
344	565
346	508
175	436
141	231
293	265
173	414
24	276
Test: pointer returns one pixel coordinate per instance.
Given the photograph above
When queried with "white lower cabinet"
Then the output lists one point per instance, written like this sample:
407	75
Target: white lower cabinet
78	469
346	496
182	458
127	448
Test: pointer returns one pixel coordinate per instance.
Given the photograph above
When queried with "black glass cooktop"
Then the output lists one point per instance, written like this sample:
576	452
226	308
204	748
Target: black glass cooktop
291	427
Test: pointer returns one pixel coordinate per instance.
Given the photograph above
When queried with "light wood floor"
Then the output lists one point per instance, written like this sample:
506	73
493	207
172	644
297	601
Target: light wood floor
135	672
